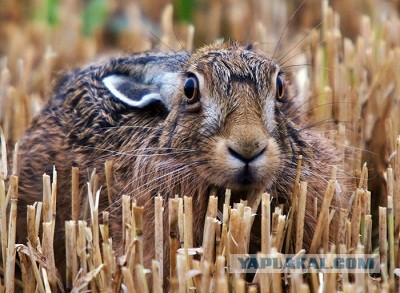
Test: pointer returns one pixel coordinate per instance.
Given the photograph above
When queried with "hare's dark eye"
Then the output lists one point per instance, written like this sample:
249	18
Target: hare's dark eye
280	87
191	89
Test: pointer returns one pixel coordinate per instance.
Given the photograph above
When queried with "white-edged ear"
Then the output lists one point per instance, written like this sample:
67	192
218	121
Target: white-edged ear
128	91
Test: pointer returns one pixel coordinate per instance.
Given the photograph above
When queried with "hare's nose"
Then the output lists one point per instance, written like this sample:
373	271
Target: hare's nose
246	154
246	143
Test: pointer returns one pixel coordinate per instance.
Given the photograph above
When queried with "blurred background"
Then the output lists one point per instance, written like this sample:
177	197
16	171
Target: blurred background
78	30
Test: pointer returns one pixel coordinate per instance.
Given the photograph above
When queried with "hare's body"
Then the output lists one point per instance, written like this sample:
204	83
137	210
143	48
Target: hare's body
176	124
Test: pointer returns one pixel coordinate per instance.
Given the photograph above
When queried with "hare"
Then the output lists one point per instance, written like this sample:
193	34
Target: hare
177	123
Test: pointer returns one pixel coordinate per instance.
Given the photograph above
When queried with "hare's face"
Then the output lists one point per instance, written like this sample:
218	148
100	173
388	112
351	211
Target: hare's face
226	110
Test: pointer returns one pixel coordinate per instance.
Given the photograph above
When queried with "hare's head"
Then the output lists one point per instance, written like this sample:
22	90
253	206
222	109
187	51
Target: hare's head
227	107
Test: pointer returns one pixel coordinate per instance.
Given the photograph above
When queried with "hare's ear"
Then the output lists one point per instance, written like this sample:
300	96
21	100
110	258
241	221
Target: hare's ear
144	79
132	93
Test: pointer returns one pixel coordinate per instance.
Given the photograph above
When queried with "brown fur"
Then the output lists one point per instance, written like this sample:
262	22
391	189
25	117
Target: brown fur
183	151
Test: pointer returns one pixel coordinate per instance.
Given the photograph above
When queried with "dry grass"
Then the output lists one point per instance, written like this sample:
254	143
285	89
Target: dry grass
353	82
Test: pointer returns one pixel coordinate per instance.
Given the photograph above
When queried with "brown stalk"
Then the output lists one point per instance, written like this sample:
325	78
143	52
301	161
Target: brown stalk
206	281
47	200
292	225
109	266
390	224
36	271
128	280
31	220
396	199
48	252
300	216
182	273
276	277
157	276
173	238
108	165
158	238
76	202
28	277
81	246
3	218
368	234
137	213
221	277
208	240
95	252
233	233
3	158
383	245
12	225
322	218
212	207
105	228
71	252
126	219
188	221
341	234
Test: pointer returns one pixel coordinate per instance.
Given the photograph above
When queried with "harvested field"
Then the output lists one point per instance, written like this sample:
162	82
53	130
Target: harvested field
345	58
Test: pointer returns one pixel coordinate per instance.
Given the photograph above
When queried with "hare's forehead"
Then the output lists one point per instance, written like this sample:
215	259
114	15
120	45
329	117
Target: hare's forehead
234	66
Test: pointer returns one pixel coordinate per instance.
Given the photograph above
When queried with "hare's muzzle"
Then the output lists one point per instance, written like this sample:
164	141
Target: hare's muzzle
247	156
